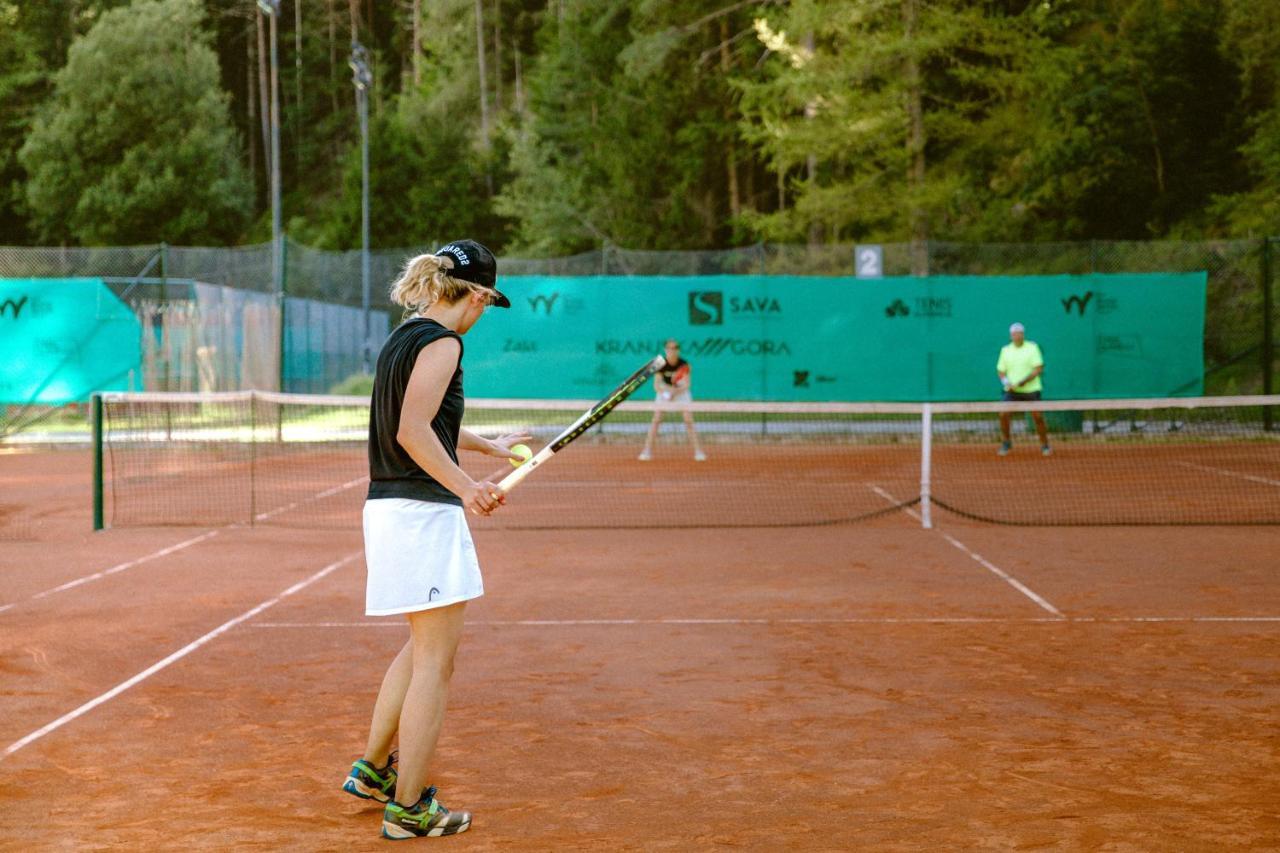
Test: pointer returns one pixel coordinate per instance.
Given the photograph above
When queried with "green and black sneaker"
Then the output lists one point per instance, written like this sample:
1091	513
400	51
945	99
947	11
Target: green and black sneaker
424	819
372	783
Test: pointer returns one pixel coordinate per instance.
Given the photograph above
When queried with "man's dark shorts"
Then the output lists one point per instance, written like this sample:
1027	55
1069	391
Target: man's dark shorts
1021	396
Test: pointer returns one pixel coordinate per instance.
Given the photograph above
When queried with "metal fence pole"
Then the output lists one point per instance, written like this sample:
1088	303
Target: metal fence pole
97	462
1268	335
362	79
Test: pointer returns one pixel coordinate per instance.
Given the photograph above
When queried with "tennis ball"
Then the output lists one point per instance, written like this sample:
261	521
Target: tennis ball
525	455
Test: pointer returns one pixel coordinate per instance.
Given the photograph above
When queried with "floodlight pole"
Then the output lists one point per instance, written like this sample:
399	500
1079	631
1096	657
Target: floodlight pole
271	8
362	79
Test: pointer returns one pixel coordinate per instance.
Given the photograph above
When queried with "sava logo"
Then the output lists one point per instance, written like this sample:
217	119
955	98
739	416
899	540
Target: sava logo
696	348
518	345
706	307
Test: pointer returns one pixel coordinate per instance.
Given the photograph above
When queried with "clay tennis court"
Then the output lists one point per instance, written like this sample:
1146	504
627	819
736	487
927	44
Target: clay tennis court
858	686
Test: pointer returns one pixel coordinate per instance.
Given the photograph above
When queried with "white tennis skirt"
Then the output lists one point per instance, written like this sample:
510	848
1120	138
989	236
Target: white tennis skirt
674	401
419	556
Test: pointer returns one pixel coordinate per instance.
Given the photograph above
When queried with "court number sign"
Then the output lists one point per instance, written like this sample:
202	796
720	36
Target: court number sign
868	261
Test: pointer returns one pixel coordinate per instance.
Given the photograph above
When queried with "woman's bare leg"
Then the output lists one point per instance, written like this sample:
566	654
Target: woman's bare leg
693	433
434	642
653	434
386	711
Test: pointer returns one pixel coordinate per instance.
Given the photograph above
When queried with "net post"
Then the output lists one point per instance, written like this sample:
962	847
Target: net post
253	458
97	461
926	465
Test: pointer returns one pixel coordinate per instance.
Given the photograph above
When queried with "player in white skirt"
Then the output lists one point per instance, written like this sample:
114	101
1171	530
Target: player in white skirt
672	389
418	549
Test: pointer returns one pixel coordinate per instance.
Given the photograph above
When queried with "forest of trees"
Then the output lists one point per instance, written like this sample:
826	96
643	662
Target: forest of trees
554	126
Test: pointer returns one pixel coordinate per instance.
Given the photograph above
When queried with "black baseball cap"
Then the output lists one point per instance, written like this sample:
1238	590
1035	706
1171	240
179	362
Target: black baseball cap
474	263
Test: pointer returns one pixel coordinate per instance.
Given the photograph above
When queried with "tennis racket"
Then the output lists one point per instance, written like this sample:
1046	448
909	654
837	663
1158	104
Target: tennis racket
590	418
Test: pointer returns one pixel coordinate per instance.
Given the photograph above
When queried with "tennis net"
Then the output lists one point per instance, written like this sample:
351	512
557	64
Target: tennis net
265	458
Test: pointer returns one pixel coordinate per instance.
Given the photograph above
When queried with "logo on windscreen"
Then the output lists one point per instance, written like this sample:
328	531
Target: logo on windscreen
1077	302
546	303
706	308
12	305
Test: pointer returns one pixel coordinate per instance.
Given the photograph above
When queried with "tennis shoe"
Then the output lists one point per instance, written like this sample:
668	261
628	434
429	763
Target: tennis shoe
1046	450
699	457
372	783
1005	447
645	456
426	818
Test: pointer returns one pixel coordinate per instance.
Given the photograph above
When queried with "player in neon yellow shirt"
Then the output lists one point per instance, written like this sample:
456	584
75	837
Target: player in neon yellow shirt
1020	365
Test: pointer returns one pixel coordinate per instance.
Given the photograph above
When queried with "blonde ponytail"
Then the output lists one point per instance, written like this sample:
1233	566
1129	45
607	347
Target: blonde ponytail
424	281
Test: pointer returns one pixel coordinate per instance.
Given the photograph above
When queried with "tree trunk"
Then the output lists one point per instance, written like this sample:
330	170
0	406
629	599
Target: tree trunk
915	146
484	82
297	84
811	162
497	57
263	104
731	152
330	16
515	47
251	107
417	44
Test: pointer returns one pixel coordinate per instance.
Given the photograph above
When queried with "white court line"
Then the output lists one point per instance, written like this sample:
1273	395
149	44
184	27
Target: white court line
979	559
1227	473
155	555
1003	575
164	552
176	656
263	516
869	620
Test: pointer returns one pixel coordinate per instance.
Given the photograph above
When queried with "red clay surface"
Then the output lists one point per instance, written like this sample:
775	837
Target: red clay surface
867	686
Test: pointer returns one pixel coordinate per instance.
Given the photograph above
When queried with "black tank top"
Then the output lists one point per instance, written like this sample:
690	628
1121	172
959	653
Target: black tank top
392	471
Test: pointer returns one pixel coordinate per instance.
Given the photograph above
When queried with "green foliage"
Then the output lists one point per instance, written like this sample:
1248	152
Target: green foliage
626	141
427	184
834	114
355	385
647	124
1133	127
1251	32
136	143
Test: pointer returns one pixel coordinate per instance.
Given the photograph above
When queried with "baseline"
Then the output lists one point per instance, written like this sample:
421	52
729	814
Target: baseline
870	620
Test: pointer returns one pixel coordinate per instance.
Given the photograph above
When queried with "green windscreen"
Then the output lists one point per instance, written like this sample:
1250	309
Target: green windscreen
793	338
62	339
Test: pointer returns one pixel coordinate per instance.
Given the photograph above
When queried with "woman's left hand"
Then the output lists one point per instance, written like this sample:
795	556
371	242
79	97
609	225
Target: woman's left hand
501	446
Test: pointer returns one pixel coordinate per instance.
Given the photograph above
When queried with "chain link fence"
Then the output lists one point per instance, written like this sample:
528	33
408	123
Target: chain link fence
1240	310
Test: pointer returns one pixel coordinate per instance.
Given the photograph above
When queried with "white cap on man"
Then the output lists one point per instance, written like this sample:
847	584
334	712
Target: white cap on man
1017	327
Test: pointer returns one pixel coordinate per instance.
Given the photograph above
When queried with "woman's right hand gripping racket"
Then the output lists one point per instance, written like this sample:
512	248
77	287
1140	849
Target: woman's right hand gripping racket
590	418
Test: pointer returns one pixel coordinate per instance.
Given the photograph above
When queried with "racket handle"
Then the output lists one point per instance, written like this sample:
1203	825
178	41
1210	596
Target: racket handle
513	479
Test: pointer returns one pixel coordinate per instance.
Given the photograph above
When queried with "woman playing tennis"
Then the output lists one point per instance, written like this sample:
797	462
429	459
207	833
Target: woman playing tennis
672	386
418	549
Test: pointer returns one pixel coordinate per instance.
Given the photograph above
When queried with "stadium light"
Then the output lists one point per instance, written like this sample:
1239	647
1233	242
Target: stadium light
362	79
